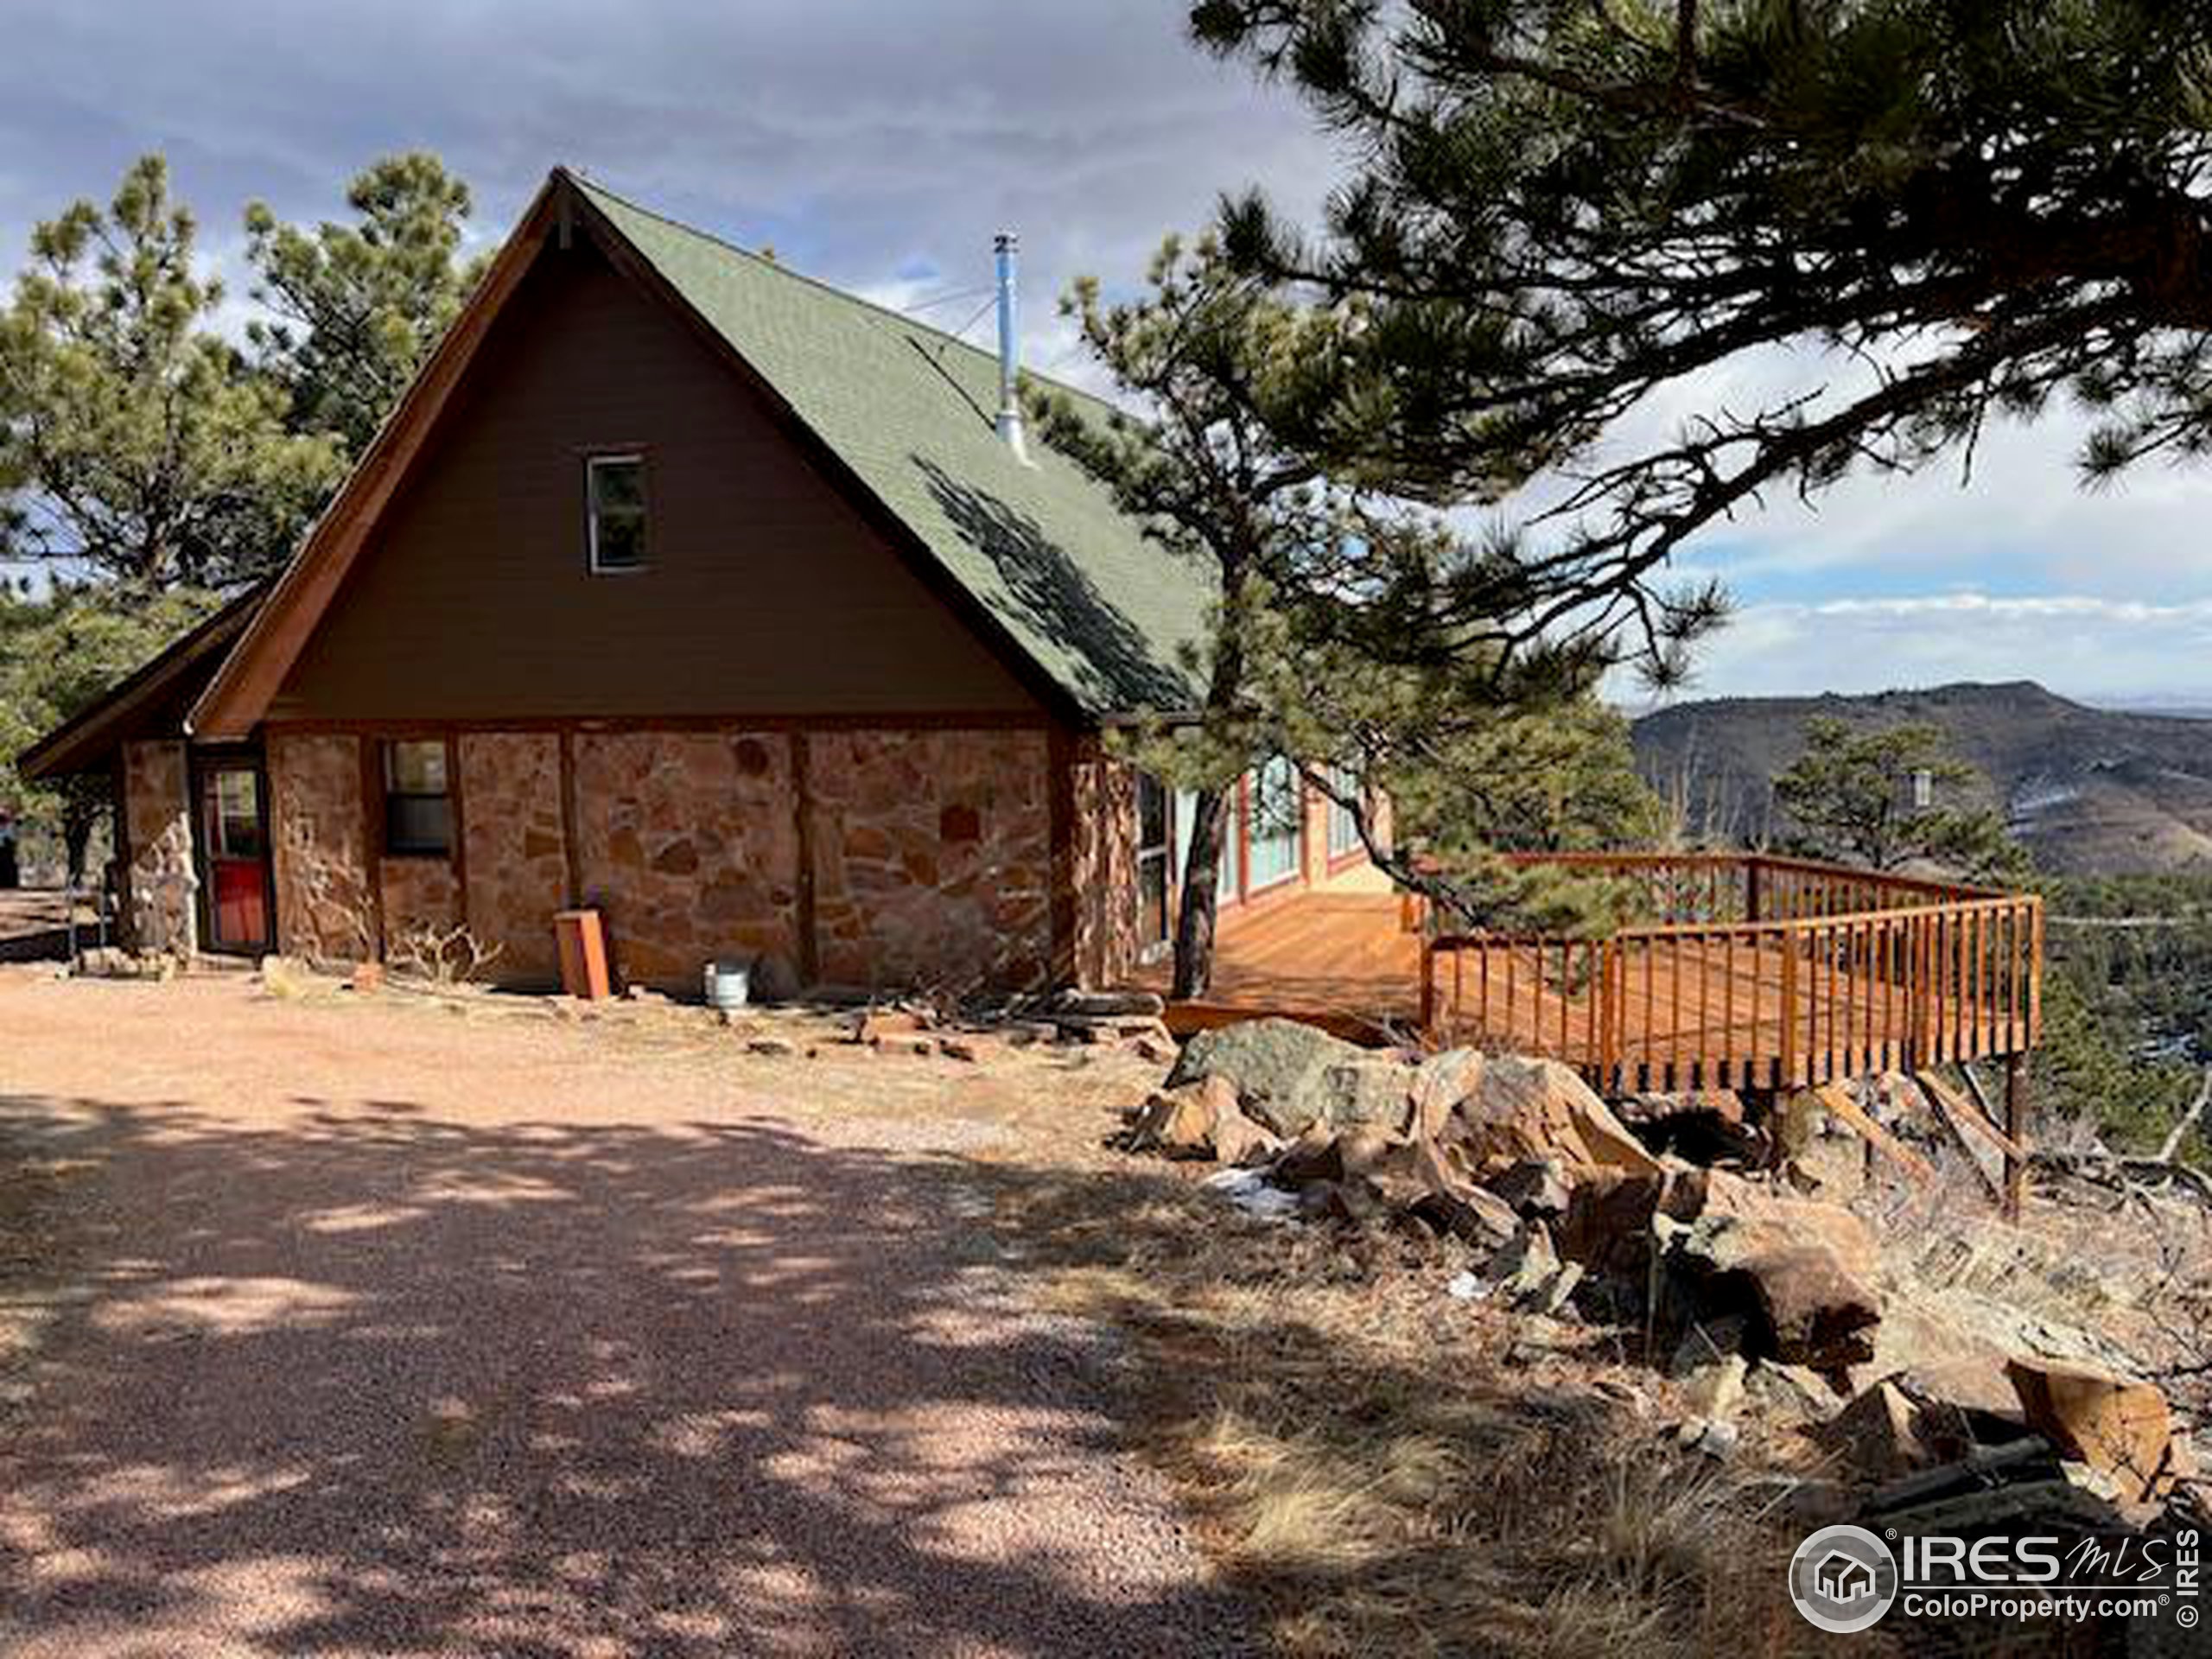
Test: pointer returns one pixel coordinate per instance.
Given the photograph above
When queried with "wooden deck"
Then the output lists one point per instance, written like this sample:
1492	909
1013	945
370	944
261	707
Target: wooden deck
1757	973
1338	960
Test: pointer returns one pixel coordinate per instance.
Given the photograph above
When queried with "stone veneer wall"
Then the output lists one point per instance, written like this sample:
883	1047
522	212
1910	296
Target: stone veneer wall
418	894
517	849
689	843
932	857
326	909
931	853
161	911
1105	866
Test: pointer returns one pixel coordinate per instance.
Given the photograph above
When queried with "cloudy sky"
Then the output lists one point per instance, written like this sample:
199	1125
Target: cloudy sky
879	146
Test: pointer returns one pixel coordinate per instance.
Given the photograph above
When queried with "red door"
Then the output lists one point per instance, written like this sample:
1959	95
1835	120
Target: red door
234	854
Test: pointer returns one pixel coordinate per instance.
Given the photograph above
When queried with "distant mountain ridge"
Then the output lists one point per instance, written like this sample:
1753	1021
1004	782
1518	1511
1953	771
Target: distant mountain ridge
2091	790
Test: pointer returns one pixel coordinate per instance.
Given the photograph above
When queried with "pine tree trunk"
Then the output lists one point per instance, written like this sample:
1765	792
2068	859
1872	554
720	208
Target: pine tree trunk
1194	923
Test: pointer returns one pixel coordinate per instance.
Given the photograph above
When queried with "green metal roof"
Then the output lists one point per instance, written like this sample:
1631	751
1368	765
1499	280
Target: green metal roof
1103	611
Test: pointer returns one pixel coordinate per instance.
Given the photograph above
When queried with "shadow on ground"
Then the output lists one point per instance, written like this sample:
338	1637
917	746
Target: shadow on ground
34	925
377	1381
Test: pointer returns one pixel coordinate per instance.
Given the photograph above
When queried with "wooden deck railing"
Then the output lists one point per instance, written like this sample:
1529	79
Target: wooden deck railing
1755	972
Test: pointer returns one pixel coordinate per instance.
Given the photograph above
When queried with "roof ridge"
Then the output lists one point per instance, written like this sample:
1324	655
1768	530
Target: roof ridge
825	286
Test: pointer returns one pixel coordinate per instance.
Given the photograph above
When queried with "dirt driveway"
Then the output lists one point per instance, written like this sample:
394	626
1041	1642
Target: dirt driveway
408	1333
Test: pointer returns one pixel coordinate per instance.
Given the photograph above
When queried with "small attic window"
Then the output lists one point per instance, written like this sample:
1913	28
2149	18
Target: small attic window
615	492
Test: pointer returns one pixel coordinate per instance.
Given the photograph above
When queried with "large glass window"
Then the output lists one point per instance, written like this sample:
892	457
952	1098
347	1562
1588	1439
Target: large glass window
1272	829
1343	829
615	487
417	810
1155	853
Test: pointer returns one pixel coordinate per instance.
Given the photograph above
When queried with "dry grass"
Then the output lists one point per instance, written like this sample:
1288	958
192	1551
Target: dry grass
1383	1470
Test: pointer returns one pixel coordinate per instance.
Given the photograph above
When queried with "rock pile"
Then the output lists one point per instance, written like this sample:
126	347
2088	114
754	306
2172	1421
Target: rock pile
1761	1295
1130	1020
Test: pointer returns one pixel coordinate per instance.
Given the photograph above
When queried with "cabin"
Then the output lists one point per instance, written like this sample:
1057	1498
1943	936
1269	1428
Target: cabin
736	610
686	589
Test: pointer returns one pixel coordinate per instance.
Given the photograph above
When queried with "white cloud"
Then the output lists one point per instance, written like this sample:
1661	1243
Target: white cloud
878	148
2079	645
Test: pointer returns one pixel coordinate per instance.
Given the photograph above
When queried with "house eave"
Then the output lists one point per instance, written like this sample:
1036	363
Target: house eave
87	741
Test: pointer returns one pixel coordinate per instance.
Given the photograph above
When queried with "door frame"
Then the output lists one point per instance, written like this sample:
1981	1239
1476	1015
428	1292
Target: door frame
228	757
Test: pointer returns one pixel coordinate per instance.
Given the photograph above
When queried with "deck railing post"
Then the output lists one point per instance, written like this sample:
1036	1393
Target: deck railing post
1427	986
1788	1008
2035	975
2016	1127
1609	1033
1921	954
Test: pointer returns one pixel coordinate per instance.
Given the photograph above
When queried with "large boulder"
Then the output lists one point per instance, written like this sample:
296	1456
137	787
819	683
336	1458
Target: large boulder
2120	1428
1809	1267
1503	1110
1200	1120
1289	1075
1817	1312
1802	1272
1940	1354
1731	1220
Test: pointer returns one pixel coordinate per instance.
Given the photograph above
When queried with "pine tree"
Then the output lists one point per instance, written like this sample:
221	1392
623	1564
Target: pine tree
1924	213
357	308
1853	796
59	653
135	440
1367	641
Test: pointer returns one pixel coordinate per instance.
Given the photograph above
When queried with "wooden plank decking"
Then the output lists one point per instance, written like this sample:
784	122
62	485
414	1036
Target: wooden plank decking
1340	960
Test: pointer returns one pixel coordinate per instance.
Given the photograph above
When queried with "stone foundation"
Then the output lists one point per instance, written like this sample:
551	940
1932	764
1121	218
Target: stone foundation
688	841
932	858
418	895
1104	860
326	908
517	849
931	854
161	911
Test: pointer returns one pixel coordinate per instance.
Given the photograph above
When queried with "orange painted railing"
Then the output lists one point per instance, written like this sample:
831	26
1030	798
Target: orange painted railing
1755	973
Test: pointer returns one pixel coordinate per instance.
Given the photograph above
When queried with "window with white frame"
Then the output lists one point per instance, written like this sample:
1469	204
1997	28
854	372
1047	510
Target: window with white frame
1344	827
1272	826
615	492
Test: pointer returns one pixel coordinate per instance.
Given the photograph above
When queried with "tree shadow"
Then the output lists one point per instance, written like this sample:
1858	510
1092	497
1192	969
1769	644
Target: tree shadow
380	1382
1118	667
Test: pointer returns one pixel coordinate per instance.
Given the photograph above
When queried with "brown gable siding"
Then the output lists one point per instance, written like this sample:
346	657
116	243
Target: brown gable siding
769	593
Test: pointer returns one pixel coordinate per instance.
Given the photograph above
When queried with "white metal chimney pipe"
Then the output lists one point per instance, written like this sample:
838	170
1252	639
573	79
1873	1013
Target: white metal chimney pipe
1007	247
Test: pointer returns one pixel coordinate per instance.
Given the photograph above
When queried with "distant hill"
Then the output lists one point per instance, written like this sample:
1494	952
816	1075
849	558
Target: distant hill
2091	791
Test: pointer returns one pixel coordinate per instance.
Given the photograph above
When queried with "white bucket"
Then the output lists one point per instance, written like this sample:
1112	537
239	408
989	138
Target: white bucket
728	983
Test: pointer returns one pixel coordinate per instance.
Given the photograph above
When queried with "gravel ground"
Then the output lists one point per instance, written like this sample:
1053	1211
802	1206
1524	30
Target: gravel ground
410	1334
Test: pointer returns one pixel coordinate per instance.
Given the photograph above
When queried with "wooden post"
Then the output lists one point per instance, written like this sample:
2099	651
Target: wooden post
2016	1127
1789	1009
1609	1027
1427	987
